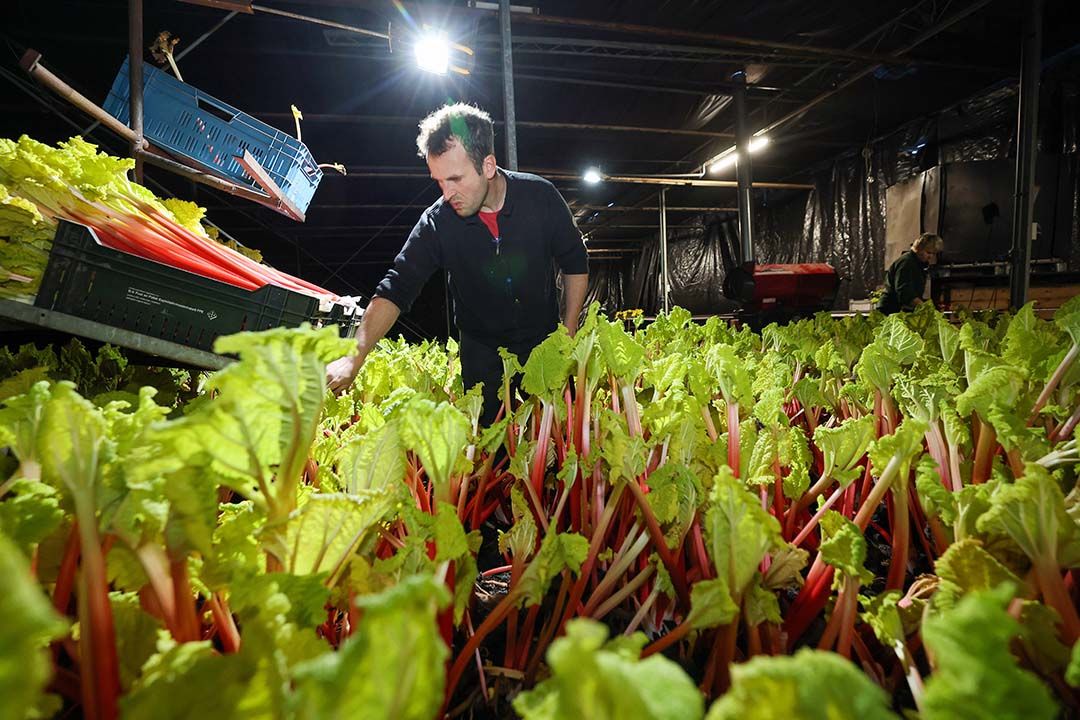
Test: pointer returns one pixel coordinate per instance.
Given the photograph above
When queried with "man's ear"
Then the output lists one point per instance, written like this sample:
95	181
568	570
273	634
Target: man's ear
490	167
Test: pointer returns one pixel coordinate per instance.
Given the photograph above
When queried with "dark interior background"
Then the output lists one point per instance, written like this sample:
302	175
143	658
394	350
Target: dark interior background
943	92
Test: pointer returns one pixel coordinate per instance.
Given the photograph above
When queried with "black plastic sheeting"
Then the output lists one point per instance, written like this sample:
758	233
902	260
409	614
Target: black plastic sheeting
843	224
842	220
695	268
606	279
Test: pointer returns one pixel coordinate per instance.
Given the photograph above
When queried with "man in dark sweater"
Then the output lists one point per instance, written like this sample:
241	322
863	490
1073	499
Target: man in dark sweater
499	235
905	281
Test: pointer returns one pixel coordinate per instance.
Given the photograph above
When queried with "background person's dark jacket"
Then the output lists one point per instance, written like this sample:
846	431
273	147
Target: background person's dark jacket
905	282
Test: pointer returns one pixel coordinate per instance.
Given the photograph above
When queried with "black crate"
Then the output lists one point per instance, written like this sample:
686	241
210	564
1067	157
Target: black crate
88	280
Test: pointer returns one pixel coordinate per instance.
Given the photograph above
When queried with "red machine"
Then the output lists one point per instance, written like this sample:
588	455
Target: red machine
804	286
796	289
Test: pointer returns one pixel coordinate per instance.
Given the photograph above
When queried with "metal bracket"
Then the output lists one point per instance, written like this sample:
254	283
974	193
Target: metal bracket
62	322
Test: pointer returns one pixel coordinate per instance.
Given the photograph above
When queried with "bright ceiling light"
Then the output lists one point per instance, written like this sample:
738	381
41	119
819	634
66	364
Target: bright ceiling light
729	157
592	176
433	52
724	163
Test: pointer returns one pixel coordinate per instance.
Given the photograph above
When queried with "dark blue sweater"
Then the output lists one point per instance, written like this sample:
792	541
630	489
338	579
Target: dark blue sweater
503	291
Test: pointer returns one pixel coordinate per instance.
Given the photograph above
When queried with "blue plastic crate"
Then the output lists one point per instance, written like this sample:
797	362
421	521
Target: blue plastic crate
188	122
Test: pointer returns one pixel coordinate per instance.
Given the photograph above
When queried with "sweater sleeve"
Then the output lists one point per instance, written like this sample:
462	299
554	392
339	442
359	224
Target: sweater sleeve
566	243
910	283
414	265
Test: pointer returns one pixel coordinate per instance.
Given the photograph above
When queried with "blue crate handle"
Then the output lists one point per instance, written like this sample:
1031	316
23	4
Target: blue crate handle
205	102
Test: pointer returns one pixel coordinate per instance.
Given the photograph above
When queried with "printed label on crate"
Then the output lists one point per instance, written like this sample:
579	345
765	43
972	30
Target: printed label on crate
151	298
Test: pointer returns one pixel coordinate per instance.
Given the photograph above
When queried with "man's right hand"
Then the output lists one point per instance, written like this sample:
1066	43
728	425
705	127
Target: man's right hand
379	316
341	373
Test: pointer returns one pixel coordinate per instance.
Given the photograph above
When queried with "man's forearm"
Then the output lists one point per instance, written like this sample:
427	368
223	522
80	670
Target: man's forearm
379	317
574	289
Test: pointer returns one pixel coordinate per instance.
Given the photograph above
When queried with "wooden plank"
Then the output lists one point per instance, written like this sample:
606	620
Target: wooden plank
1044	296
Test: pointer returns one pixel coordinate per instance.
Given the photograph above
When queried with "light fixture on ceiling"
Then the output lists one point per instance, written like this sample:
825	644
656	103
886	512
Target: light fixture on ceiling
729	157
433	52
592	176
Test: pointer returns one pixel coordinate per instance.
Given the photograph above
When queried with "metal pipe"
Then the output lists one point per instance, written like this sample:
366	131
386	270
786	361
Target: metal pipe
419	206
320	21
199	40
702	60
203	178
663	85
243	6
686	182
402	120
649	30
625	179
613	84
665	52
923	37
624	128
665	278
351	230
508	84
544	41
135	81
602	243
743	171
772	47
652	208
31	63
1023	228
875	33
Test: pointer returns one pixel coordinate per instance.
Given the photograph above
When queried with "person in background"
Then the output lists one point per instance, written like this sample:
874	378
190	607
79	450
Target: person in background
500	236
905	280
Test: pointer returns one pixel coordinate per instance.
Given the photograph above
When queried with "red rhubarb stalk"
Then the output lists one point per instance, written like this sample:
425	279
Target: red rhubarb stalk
99	667
984	453
1054	381
65	579
733	459
901	528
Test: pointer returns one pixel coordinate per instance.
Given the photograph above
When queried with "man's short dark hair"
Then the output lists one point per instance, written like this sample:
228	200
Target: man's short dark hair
468	124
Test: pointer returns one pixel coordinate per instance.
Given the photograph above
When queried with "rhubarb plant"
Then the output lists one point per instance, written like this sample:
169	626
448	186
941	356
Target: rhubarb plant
717	498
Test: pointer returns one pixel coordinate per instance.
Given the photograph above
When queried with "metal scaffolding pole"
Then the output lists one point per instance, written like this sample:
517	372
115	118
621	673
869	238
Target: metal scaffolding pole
743	172
564	176
712	38
937	29
405	120
665	279
135	76
508	84
1026	151
202	38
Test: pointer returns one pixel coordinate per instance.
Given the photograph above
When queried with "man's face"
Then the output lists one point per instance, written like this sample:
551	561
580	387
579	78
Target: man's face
462	186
